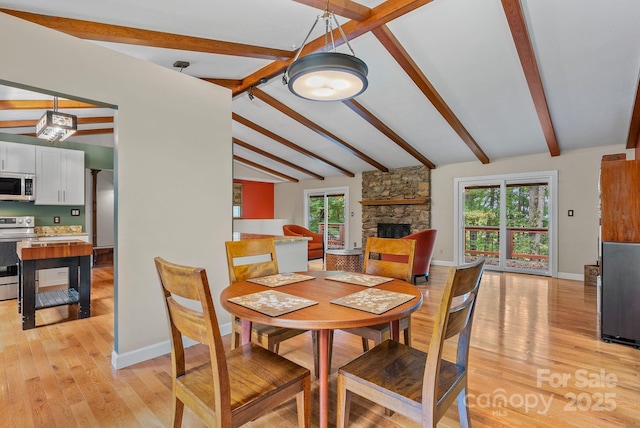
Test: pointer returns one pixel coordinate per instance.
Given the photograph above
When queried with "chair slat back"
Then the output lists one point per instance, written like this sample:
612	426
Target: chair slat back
263	252
376	247
463	295
462	284
191	284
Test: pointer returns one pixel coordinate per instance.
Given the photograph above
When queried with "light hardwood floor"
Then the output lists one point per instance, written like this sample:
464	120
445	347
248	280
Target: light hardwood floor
536	360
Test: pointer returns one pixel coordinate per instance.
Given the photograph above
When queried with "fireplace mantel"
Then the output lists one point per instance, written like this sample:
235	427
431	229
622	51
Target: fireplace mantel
418	201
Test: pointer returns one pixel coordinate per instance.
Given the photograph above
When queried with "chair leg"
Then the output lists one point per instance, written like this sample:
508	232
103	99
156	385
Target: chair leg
330	350
316	353
343	405
178	410
463	412
303	402
235	336
365	344
407	334
268	343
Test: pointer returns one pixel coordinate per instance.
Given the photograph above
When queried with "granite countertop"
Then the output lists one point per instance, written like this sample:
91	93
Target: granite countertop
59	231
237	236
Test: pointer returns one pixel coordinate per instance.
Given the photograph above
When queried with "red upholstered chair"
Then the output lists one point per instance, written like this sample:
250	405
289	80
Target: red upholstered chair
425	243
315	246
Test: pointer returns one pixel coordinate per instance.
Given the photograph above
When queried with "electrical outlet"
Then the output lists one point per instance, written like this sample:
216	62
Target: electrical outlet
56	220
75	212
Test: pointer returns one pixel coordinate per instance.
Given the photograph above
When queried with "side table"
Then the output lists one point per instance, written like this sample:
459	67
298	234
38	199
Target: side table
345	260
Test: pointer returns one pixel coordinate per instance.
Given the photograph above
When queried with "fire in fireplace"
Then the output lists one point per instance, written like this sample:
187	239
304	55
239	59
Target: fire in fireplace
393	230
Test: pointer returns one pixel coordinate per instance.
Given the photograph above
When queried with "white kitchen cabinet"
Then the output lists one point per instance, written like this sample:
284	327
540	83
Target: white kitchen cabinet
16	157
59	176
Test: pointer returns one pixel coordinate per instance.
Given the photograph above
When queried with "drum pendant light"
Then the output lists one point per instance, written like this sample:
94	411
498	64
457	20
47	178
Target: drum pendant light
328	75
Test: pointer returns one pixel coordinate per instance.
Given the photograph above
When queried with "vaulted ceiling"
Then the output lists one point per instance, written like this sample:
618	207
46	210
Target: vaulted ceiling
449	80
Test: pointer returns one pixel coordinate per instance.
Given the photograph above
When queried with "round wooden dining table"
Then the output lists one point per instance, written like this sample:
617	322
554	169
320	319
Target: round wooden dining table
323	316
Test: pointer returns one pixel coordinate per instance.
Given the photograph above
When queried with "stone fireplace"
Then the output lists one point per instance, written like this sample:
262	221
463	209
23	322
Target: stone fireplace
393	230
401	196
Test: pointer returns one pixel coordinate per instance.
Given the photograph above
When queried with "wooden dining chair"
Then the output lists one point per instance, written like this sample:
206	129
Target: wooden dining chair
416	384
252	258
375	264
230	389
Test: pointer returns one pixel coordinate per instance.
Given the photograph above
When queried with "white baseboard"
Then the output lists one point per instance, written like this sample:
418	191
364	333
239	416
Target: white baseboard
126	359
561	275
442	262
572	276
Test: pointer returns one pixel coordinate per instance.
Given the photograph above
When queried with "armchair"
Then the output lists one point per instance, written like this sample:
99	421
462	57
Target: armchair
315	247
425	243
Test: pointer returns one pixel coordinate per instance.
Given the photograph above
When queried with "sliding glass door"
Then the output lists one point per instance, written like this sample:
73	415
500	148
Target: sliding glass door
509	220
325	213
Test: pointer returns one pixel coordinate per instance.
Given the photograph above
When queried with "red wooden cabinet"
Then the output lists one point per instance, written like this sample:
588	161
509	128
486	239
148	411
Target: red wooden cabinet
620	201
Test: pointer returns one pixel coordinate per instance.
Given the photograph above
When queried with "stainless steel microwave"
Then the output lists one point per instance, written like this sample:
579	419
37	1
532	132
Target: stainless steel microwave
17	187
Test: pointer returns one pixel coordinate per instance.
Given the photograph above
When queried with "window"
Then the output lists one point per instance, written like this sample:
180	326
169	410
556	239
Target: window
237	200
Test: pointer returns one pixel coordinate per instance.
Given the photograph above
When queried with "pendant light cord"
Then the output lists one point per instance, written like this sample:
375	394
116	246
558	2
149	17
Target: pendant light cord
327	15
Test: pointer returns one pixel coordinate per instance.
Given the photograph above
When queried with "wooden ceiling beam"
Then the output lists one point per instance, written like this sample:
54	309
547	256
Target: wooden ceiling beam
402	57
633	140
515	17
97	119
288	143
346	8
316	128
377	123
81	132
135	36
380	15
264	168
4	124
43	104
227	83
84	132
276	158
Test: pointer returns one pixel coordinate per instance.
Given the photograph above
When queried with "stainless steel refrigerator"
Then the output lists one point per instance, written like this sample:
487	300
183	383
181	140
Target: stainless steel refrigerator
620	299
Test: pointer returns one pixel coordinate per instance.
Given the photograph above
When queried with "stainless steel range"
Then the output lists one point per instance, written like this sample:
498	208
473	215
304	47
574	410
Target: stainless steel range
12	230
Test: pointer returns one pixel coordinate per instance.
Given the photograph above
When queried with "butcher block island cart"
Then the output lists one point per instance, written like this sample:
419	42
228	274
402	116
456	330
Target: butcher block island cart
34	255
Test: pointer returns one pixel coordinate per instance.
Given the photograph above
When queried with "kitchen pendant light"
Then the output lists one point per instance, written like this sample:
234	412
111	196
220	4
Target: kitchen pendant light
328	75
55	126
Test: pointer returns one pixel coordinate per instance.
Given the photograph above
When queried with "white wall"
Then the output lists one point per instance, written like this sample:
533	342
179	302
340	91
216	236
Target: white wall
105	206
163	140
289	201
578	174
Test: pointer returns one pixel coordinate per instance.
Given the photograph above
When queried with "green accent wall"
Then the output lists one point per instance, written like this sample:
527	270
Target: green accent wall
44	214
96	157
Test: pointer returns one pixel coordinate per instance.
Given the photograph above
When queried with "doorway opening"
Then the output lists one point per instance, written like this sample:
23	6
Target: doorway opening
510	220
325	213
